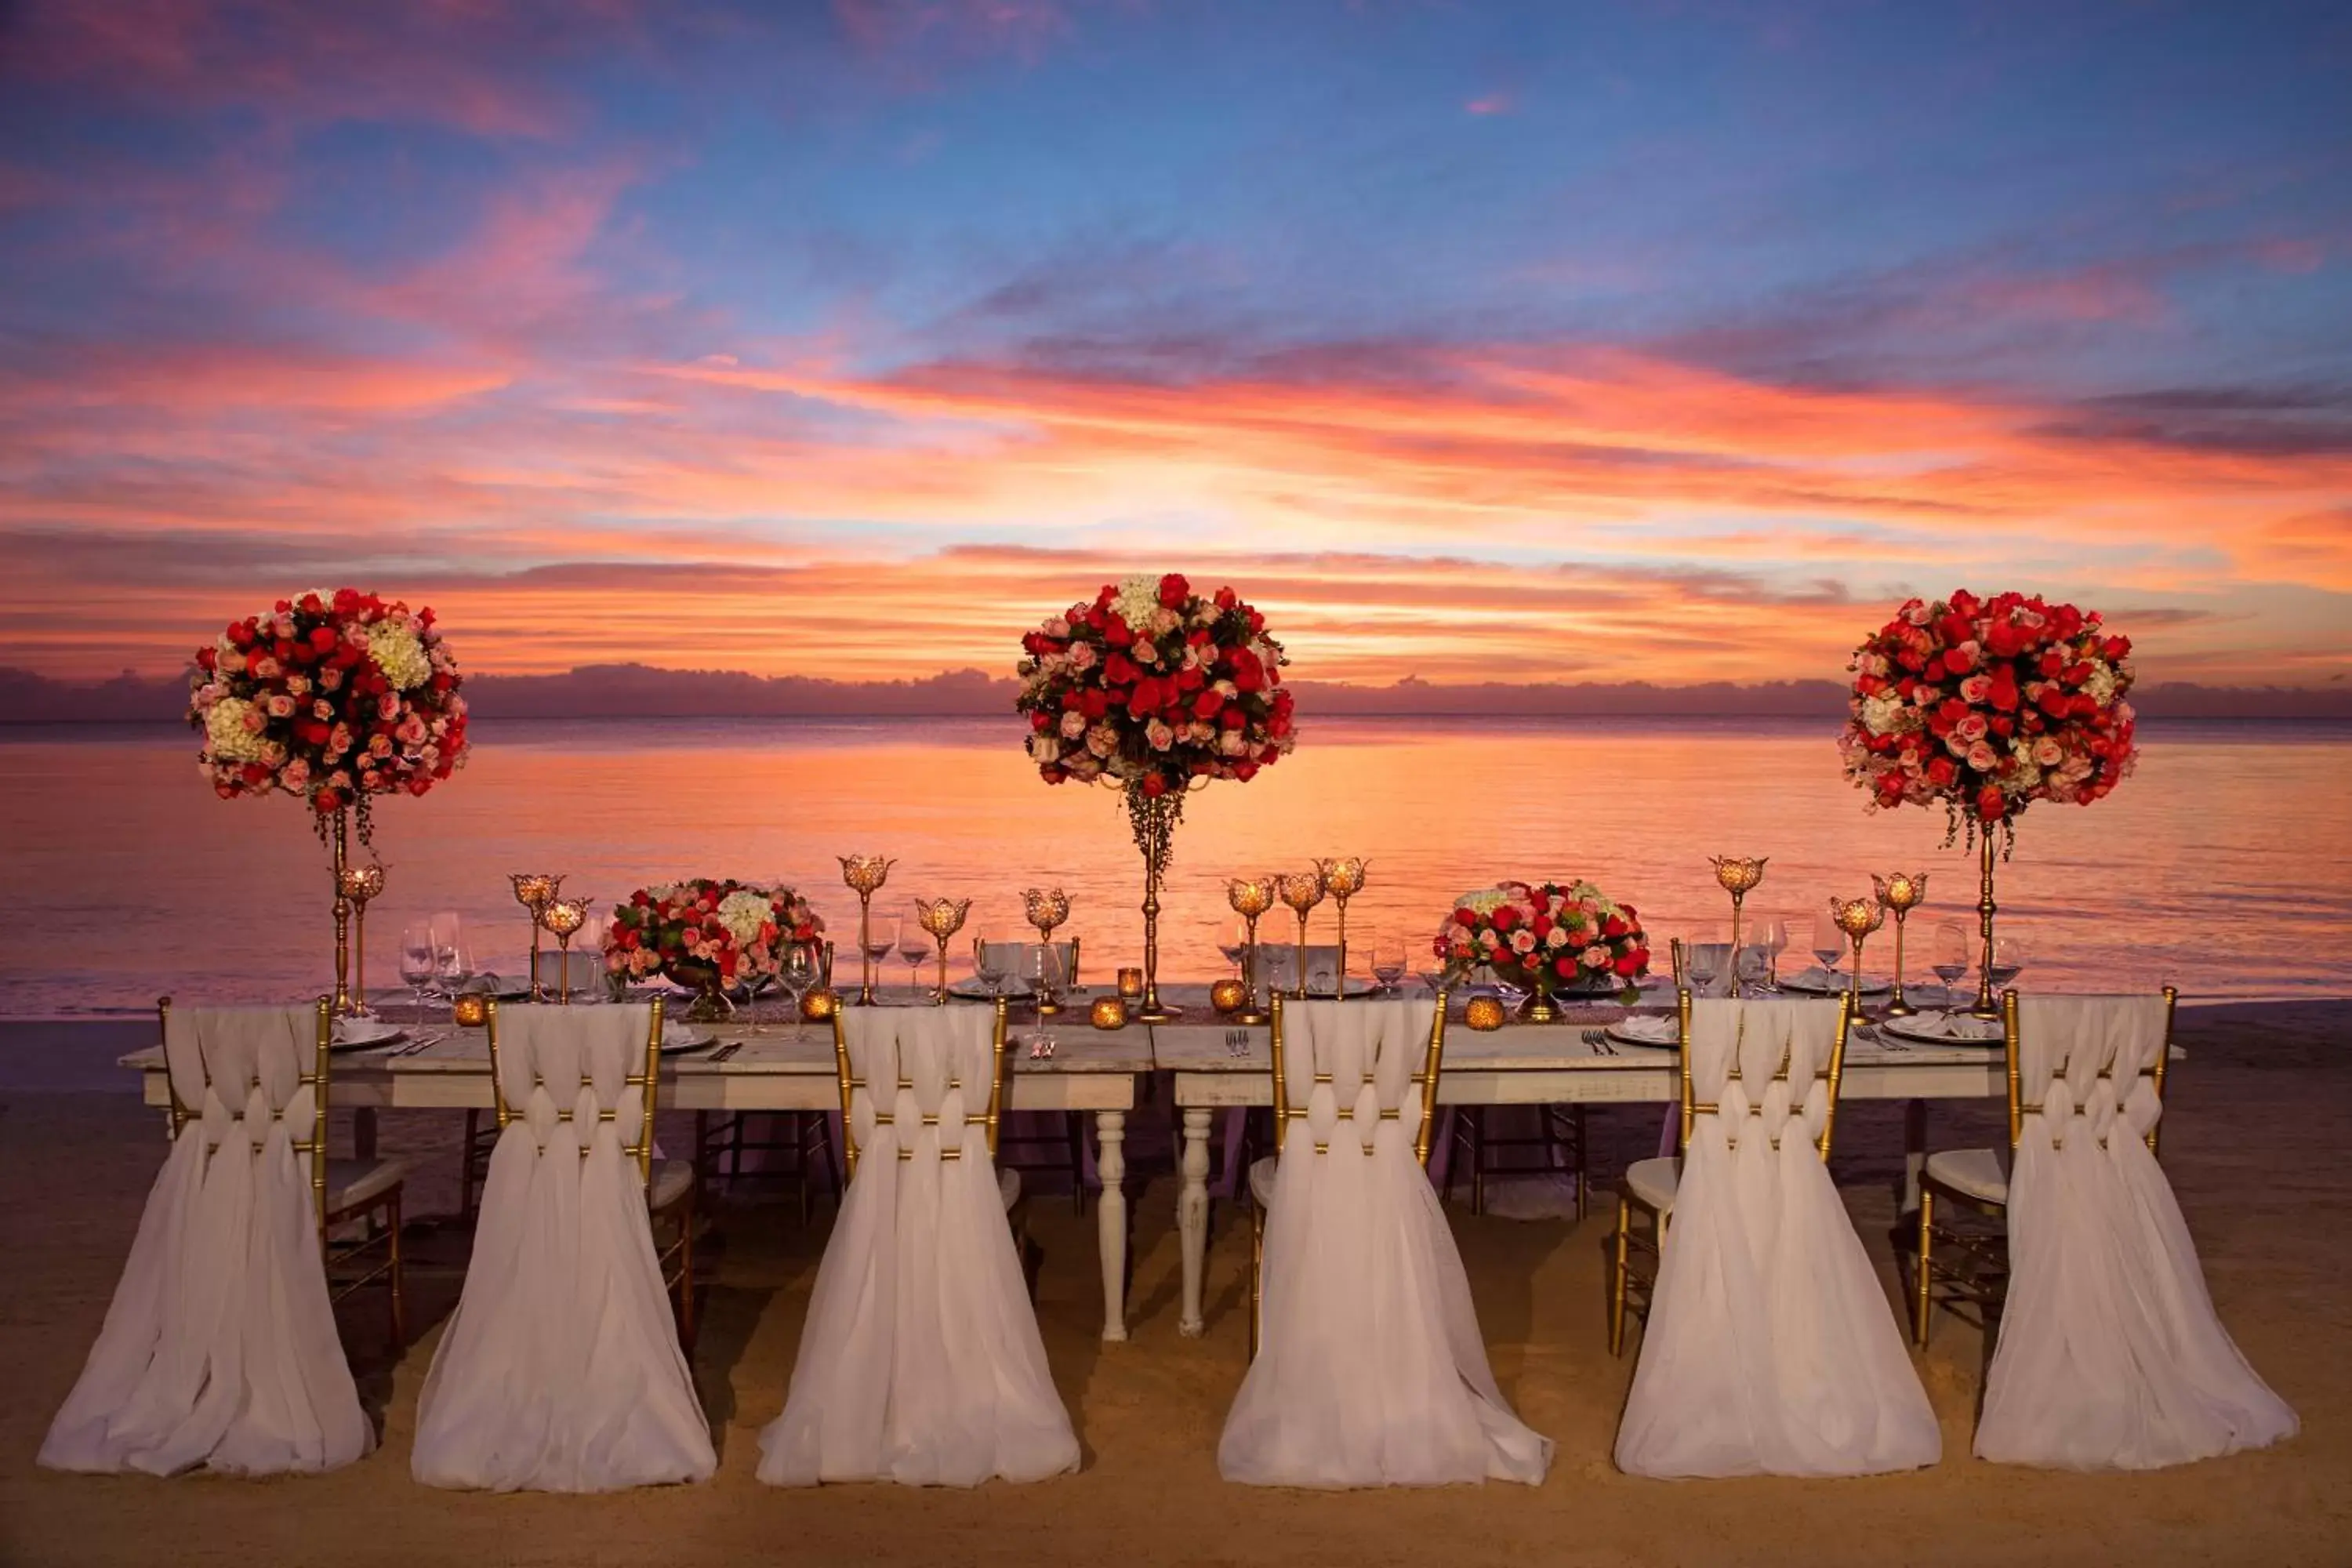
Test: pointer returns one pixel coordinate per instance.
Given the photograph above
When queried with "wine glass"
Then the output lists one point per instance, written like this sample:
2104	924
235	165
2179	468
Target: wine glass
2009	956
1774	938
1703	958
797	973
1046	973
1387	962
1952	957
914	946
881	936
1829	947
989	961
1234	944
590	942
417	964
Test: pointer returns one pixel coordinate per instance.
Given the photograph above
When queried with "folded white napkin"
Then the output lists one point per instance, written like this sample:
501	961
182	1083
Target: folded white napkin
363	1031
1651	1031
1951	1026
677	1035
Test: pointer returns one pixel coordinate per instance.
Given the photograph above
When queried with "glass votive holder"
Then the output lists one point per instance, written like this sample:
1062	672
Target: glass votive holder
1110	1012
1130	984
1483	1013
470	1010
1228	996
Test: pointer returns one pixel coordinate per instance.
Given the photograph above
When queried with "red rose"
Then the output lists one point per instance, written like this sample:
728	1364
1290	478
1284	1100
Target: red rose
1232	718
1206	704
1188	680
1990	803
1504	917
1154	786
1040	720
1614	927
1145	699
1118	632
1466	917
1564	967
1226	599
2115	649
1245	772
1249	674
1175	591
1094	704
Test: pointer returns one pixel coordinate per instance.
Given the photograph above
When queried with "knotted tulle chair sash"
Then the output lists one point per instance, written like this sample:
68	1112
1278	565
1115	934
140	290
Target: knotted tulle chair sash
1750	1067
2079	1065
568	1072
1350	1071
925	1082
238	1072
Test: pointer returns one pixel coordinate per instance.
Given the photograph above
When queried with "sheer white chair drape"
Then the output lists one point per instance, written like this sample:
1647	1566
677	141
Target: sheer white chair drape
561	1369
1770	1347
219	1350
920	1361
2110	1355
1370	1370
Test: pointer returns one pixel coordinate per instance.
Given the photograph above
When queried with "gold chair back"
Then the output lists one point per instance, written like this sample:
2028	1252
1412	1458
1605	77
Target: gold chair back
1693	1107
2154	1072
846	1072
647	1078
316	1079
1432	1063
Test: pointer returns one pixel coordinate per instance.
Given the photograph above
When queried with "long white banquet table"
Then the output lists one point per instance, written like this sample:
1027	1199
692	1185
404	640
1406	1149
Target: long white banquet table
1518	1065
770	1071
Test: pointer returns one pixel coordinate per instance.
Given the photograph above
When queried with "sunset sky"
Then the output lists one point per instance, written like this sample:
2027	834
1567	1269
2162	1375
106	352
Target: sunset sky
1669	341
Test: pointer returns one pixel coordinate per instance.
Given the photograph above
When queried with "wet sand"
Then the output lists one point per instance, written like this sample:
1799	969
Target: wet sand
2257	1143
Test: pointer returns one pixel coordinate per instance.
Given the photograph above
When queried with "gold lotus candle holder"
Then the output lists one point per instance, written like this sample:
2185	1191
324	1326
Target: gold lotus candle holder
943	917
1899	892
563	917
357	885
1343	878
1857	918
1302	890
534	890
1738	875
1250	897
864	874
1046	908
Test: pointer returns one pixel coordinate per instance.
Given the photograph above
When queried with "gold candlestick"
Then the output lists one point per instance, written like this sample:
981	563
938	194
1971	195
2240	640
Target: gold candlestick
534	890
1343	878
1857	918
1250	897
1153	819
1738	875
340	845
1046	909
1987	1006
1900	892
1302	891
943	917
563	917
358	884
866	874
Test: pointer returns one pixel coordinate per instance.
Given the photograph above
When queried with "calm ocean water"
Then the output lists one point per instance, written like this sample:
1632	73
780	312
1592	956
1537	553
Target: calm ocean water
2225	864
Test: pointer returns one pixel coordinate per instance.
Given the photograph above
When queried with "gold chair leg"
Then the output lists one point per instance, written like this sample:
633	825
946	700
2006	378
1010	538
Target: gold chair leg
1618	1276
1922	1306
399	1287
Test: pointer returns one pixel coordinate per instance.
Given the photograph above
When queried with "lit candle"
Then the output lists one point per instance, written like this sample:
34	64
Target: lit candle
1110	1012
1130	983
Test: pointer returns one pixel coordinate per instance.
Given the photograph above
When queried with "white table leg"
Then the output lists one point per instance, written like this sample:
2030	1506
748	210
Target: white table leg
1110	1214
1192	1217
1915	1152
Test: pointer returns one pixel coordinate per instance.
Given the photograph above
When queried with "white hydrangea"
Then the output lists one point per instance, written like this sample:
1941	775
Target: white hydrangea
1885	713
1137	599
1484	901
743	912
2100	686
399	652
226	735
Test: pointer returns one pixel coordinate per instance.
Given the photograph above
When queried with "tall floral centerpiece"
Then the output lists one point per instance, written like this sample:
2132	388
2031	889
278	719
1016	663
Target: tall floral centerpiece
1546	939
706	934
334	697
1154	690
1984	706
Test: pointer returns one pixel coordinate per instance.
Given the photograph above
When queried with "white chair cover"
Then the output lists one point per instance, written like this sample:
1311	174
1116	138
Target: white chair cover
561	1369
219	1350
2110	1356
1770	1347
920	1361
1370	1369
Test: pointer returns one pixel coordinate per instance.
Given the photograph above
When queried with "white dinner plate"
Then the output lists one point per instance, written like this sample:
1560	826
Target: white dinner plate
678	1037
365	1034
1946	1029
1657	1033
1819	982
977	991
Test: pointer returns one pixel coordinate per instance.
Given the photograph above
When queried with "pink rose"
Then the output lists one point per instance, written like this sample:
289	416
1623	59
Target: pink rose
1982	758
1595	957
1971	728
1976	688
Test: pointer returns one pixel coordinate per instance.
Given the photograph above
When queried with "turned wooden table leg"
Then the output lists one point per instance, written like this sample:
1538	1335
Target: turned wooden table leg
1110	1217
1192	1217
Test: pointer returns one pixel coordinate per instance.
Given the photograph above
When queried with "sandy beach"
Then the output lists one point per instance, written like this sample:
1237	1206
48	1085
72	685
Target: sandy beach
2255	1143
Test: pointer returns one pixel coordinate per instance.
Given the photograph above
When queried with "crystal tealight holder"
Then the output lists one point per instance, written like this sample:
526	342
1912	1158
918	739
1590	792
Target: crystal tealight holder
1738	875
1900	892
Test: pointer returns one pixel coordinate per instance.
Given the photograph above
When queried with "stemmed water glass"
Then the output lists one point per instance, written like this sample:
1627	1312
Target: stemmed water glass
1234	946
1702	957
989	961
797	975
2009	956
417	964
1829	947
1952	959
1388	962
879	939
1773	937
1045	972
914	946
453	962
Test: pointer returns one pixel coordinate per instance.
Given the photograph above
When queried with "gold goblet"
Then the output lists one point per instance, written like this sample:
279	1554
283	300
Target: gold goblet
1900	892
1250	897
563	917
534	890
1738	875
1046	908
1857	918
943	917
866	874
1343	878
1302	890
358	884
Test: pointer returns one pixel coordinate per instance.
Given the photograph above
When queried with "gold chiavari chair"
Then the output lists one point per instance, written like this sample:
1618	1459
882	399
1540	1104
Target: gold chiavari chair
1262	1172
1008	1182
670	1186
354	1192
1961	1255
1648	1186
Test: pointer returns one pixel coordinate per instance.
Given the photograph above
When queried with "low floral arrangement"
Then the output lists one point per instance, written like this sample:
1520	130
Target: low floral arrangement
1154	686
708	932
1547	938
335	696
1985	706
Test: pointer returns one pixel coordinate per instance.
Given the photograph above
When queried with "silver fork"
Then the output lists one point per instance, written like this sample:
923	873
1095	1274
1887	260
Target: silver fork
1599	1040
